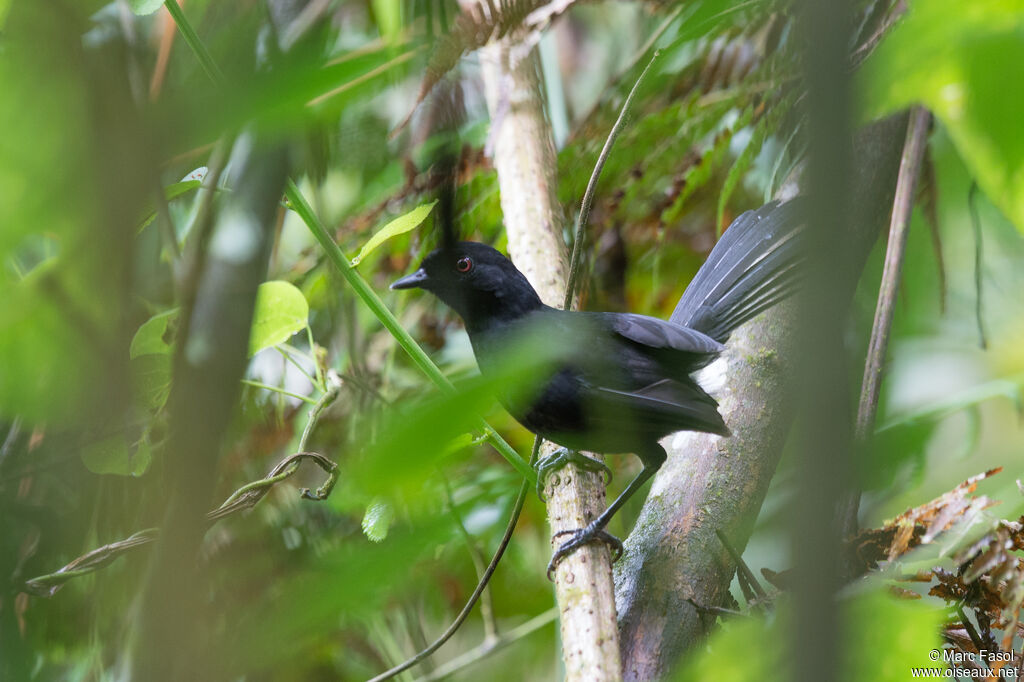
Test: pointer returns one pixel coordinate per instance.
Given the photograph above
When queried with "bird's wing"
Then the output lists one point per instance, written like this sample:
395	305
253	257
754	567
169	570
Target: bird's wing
674	350
665	406
655	333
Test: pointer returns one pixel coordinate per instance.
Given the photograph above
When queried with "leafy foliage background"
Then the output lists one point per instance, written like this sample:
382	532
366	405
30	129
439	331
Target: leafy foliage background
104	109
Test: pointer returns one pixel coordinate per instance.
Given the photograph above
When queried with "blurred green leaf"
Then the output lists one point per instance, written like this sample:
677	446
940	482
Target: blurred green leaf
883	638
415	439
389	18
155	336
888	636
377	520
115	455
965	62
144	7
281	311
152	378
400	225
170	192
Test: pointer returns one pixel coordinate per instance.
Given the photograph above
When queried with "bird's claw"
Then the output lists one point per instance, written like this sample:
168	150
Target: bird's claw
563	456
580	537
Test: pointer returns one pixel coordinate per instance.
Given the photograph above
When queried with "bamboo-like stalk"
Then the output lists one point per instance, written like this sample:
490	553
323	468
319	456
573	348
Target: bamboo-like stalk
524	156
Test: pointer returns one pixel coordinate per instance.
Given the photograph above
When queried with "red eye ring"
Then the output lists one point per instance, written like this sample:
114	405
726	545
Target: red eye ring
464	264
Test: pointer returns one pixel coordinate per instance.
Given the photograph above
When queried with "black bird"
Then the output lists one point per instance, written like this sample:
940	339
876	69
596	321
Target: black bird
629	382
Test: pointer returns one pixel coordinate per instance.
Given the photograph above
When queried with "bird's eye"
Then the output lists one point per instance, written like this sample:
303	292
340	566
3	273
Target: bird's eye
464	264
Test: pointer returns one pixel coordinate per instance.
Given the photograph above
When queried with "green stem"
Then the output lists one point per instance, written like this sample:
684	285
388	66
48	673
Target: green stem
316	361
194	43
588	195
282	349
314	414
370	298
275	389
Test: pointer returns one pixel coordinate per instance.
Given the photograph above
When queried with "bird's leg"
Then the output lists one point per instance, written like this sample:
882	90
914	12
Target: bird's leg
562	456
595	529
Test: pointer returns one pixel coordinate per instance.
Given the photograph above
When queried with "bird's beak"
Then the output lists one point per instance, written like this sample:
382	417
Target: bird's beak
413	281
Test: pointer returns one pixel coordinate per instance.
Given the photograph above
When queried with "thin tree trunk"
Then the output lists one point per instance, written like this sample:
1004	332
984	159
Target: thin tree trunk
714	484
524	155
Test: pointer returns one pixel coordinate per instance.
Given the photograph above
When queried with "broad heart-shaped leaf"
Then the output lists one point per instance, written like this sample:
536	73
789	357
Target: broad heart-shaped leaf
398	226
281	310
143	7
965	62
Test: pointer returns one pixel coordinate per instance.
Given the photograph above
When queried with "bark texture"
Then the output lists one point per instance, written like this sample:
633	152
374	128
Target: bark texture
711	483
524	156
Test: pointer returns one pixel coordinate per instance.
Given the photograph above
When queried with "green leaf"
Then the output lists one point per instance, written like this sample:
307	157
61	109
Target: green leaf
400	225
388	14
144	7
155	336
281	310
898	633
190	182
152	379
114	455
377	520
965	62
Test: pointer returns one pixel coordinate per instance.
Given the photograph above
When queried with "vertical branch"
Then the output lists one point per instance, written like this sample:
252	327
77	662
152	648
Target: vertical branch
209	362
524	156
824	435
903	203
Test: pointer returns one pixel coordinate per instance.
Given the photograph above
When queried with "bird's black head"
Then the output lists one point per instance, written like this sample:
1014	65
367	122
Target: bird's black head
476	281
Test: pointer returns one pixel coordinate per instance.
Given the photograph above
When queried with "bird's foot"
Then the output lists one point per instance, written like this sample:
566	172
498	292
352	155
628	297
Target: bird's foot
562	456
580	537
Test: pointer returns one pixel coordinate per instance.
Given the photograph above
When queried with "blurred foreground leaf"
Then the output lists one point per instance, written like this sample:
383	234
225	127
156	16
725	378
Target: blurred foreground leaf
965	62
115	455
883	638
155	336
377	520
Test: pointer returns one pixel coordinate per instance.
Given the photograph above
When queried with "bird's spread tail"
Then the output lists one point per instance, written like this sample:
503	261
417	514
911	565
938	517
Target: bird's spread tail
752	267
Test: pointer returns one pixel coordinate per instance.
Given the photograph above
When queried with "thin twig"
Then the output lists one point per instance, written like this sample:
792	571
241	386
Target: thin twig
279	390
486	603
486	648
903	204
588	195
715	610
741	565
971	631
972	203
